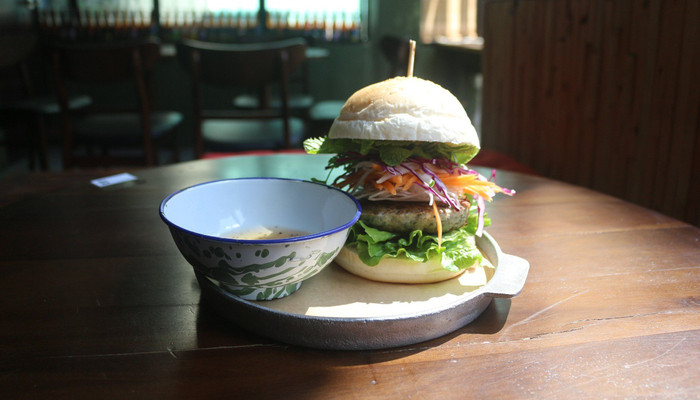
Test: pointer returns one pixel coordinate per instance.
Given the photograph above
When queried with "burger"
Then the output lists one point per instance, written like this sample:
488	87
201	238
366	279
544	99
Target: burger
402	147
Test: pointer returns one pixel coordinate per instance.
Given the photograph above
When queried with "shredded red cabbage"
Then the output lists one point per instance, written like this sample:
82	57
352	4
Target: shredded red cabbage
445	198
481	207
419	167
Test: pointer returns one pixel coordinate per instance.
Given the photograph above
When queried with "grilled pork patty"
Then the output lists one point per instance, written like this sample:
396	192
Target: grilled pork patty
404	217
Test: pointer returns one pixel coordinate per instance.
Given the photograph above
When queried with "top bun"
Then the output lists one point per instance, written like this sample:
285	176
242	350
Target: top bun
406	109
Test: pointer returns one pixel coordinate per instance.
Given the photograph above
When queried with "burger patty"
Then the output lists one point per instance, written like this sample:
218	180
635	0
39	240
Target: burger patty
405	217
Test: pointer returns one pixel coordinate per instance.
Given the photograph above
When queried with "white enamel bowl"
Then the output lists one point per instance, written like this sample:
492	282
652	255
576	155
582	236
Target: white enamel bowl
211	224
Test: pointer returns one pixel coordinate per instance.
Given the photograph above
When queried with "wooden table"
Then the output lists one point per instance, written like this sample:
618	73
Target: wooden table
96	302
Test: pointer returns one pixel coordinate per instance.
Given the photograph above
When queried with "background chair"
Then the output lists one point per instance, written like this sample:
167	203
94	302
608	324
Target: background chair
243	68
111	127
300	100
396	51
25	106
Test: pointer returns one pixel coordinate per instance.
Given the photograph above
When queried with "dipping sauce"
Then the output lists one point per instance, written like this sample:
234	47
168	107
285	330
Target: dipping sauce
265	233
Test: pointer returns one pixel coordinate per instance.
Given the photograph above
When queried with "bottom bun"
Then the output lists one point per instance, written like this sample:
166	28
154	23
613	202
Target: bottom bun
394	270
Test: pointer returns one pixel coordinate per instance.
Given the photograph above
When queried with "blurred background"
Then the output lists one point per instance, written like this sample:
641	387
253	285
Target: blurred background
599	93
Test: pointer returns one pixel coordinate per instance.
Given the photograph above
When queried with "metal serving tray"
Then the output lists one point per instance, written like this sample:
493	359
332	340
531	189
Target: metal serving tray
340	311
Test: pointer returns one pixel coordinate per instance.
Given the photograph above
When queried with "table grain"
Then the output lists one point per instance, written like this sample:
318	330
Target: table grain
96	302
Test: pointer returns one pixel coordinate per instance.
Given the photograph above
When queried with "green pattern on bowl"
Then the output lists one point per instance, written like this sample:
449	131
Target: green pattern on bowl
257	272
200	219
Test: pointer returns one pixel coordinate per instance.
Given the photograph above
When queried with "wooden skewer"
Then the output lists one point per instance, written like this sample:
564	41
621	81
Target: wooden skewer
411	57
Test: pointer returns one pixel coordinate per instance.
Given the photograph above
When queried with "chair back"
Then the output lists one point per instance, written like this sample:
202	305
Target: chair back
243	64
15	49
396	51
246	66
99	63
107	62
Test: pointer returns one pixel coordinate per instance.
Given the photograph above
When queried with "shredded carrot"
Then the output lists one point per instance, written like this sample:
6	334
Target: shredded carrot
389	187
438	221
471	185
467	184
409	182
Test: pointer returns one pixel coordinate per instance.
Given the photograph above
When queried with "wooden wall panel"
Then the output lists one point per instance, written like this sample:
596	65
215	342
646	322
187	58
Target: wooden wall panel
600	93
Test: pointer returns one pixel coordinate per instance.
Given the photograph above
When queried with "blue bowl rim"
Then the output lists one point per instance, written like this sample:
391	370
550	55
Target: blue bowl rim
346	225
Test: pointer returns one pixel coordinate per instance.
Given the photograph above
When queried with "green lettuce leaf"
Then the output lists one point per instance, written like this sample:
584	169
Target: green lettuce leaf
391	152
458	249
313	145
394	155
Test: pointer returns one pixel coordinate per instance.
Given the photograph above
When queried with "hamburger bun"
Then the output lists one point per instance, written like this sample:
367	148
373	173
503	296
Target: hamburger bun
390	118
405	109
394	270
